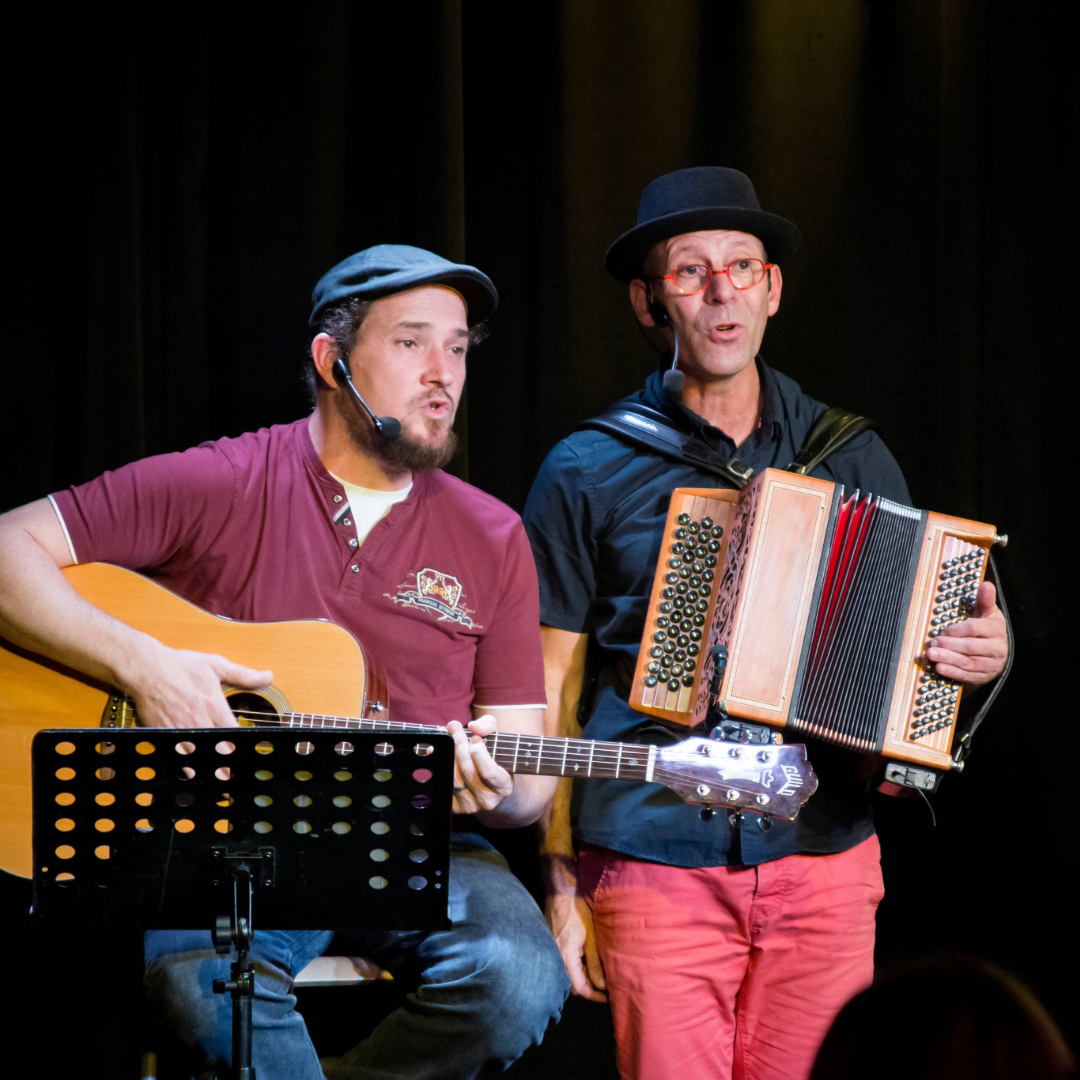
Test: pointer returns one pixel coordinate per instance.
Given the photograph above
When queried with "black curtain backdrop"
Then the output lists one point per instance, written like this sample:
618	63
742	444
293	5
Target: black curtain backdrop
180	176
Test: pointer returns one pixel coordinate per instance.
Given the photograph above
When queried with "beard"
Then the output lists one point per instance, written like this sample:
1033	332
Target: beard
404	453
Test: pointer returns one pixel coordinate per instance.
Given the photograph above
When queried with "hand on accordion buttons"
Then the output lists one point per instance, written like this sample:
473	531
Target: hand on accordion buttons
974	650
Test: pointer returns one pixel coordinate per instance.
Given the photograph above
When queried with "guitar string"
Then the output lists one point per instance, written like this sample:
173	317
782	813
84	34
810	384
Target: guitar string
602	754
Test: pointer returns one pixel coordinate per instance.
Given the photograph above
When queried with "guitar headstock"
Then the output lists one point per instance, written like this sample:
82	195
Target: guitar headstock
775	780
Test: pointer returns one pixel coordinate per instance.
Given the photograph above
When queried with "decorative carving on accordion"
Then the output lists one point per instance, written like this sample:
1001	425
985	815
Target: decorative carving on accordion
727	592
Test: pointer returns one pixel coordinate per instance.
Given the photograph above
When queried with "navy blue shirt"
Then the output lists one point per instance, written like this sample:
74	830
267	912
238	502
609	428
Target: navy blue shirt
595	518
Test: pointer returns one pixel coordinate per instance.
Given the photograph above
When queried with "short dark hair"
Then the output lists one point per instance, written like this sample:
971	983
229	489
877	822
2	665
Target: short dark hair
343	321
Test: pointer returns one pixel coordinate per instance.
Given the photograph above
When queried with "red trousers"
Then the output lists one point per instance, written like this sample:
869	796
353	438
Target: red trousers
731	971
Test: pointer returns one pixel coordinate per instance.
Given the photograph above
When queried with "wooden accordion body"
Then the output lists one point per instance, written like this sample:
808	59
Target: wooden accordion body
817	607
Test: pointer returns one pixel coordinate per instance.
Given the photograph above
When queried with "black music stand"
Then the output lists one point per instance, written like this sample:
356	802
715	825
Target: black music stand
174	829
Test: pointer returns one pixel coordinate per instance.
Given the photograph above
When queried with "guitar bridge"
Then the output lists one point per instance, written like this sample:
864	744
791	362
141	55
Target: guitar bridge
119	712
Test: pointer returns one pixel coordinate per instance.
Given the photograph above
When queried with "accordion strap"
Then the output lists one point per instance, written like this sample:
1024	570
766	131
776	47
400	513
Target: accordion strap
641	425
834	428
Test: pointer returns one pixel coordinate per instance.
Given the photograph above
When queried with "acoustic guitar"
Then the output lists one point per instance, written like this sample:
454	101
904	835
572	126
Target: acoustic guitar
321	679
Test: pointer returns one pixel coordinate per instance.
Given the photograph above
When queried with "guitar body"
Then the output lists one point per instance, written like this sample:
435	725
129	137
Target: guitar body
318	668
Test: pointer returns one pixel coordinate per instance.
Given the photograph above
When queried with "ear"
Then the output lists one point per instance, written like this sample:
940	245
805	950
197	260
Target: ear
639	300
324	351
776	285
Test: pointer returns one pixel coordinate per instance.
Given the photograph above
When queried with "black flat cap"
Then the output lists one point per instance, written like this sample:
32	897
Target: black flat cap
693	200
392	268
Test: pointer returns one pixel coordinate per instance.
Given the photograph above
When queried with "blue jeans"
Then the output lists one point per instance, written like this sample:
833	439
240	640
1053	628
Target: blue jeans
489	986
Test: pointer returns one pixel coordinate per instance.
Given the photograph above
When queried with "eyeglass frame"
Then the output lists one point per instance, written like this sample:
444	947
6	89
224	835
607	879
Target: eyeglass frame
765	268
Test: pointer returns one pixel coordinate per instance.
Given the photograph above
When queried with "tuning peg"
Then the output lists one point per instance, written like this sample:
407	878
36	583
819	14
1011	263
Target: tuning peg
764	823
735	819
707	813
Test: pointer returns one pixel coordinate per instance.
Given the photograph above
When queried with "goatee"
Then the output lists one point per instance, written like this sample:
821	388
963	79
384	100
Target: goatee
401	454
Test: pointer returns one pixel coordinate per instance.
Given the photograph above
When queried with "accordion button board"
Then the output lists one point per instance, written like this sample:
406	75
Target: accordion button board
797	606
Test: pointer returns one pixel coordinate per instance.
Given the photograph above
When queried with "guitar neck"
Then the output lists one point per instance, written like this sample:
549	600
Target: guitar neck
540	755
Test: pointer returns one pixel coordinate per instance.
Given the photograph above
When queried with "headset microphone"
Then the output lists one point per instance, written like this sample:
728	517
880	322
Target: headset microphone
674	380
386	426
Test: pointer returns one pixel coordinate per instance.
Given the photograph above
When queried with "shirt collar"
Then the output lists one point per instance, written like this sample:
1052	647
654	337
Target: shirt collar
771	410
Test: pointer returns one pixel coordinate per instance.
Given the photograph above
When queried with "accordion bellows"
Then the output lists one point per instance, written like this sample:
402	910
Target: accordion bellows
796	605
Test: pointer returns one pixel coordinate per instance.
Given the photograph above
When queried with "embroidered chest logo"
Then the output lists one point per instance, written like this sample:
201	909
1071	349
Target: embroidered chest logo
439	594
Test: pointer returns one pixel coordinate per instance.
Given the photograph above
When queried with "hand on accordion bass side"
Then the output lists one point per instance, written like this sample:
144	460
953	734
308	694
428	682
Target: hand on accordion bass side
974	650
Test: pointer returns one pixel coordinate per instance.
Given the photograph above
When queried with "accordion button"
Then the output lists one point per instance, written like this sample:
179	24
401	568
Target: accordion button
680	534
699	620
662	622
692	649
665	607
682	641
659	636
683	519
654	667
673	685
688	680
707	575
679	655
671	578
710	562
650	680
701	551
690	663
683	589
676	669
706	522
698	567
669	646
675	563
668	593
678	548
656	652
693	526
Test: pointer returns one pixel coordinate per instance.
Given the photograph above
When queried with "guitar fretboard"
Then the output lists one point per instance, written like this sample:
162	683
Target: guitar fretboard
516	753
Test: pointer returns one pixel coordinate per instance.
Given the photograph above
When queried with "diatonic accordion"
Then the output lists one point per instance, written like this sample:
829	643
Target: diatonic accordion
797	605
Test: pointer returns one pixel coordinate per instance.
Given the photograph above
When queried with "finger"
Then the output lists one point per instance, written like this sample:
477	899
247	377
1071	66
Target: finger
221	714
992	647
463	760
483	725
489	773
593	966
985	600
992	626
965	675
579	980
238	675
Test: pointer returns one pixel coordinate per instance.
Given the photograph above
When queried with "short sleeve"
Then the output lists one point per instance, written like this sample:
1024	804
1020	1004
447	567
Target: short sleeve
144	514
558	519
508	669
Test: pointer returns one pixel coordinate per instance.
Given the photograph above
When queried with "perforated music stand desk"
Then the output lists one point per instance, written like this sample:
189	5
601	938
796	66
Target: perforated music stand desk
333	830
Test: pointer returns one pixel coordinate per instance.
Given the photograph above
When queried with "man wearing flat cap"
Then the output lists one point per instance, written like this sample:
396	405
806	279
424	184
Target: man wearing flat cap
345	516
724	951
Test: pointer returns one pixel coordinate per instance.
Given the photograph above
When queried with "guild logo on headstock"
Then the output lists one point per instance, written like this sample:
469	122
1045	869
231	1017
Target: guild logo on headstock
436	593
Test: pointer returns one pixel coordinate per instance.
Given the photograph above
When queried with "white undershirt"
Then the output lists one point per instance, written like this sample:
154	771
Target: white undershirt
368	507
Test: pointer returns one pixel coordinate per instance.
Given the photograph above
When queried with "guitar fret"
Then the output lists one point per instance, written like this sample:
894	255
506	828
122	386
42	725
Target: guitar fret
618	761
592	750
517	747
540	755
565	748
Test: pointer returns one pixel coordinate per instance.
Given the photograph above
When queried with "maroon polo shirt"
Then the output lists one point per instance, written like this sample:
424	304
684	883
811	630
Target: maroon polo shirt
442	593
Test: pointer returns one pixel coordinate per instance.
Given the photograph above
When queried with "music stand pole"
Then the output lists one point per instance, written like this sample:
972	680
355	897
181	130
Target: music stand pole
237	932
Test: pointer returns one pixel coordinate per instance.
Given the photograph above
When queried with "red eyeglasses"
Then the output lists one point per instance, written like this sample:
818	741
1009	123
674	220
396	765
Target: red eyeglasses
742	273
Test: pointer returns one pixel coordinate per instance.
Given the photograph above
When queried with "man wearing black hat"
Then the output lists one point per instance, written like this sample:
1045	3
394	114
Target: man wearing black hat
725	952
343	515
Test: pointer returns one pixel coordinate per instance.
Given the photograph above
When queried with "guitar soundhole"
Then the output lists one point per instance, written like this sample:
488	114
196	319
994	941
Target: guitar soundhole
252	709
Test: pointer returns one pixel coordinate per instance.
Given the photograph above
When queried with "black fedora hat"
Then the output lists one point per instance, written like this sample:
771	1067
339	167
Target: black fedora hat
693	200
